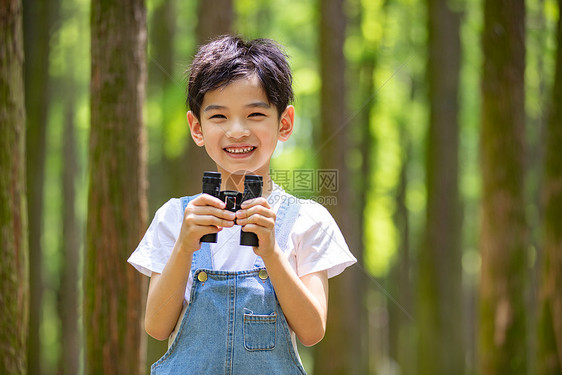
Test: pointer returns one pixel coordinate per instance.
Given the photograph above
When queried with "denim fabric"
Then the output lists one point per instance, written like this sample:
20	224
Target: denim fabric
233	323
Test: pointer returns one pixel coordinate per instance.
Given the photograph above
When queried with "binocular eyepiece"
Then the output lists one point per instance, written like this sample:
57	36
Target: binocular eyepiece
252	189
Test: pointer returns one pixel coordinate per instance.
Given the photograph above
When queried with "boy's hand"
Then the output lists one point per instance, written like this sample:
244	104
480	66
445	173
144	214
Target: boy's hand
256	216
203	215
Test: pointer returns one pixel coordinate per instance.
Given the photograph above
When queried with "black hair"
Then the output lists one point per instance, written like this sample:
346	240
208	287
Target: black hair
228	58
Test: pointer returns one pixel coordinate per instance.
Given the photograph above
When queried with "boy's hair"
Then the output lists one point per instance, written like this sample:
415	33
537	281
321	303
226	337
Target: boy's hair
229	58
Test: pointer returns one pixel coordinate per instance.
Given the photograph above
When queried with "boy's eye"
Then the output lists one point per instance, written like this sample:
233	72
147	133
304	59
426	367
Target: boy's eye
256	114
218	116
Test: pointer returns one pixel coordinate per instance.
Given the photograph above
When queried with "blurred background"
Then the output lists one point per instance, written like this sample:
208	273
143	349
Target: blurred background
433	117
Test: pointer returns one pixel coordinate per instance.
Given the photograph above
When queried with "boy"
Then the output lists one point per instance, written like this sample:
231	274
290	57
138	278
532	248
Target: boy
242	305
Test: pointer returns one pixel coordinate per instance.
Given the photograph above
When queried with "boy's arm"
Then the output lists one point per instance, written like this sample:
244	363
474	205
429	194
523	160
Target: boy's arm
304	300
166	295
204	214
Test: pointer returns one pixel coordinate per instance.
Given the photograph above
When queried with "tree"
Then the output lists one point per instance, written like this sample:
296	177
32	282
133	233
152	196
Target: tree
117	207
550	318
504	232
214	18
440	338
164	179
38	20
14	291
163	176
70	86
340	350
68	306
402	348
362	70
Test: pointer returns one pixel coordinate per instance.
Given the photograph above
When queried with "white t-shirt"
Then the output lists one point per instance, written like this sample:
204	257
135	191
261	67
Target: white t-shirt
315	243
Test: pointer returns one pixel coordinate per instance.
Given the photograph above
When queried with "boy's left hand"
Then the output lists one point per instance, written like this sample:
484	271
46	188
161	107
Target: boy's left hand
256	216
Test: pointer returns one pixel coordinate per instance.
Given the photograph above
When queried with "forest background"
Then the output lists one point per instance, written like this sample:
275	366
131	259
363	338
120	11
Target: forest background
429	129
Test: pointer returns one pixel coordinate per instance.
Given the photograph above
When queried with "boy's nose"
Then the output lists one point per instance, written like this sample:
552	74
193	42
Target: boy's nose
237	129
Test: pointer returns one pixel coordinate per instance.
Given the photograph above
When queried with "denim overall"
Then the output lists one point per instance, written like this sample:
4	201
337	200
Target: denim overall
233	323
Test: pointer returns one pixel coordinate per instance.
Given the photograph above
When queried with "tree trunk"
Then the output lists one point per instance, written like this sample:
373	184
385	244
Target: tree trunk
14	291
69	276
401	324
38	20
440	339
549	338
164	179
537	117
366	144
504	233
117	209
340	350
215	18
68	307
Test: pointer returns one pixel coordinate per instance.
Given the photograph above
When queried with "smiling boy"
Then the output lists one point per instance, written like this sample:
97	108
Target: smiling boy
232	308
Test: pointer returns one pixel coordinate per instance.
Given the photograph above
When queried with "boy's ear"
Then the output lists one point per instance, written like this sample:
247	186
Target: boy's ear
286	123
195	129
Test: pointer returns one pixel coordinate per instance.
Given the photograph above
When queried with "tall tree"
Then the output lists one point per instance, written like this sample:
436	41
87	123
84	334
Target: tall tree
163	176
215	18
164	181
504	232
340	351
14	292
365	144
440	339
550	318
70	88
402	348
38	21
68	308
363	139
117	207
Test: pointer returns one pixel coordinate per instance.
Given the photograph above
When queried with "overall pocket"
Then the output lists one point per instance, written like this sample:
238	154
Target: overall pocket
259	331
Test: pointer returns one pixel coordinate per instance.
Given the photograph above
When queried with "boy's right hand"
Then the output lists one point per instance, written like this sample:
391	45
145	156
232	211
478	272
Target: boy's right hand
203	215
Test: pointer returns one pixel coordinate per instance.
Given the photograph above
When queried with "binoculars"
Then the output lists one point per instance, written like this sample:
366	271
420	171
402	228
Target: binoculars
252	189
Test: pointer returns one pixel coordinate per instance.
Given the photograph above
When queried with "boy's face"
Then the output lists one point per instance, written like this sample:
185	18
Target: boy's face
240	128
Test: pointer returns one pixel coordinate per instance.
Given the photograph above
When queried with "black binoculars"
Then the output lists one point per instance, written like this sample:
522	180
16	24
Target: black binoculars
252	189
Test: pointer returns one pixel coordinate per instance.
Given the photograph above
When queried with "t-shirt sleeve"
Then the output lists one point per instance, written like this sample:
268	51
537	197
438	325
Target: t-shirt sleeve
155	248
319	242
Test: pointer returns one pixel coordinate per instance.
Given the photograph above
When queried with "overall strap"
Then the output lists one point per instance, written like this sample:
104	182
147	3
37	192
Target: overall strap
202	257
285	219
185	201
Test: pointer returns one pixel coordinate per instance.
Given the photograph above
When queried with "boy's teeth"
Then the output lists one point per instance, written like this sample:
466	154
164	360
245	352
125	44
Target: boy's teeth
239	150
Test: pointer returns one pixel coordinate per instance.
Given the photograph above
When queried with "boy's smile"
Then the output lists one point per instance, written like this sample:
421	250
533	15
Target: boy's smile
240	128
239	149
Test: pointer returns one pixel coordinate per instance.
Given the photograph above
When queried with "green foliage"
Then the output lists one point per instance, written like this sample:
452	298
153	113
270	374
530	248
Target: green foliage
398	120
